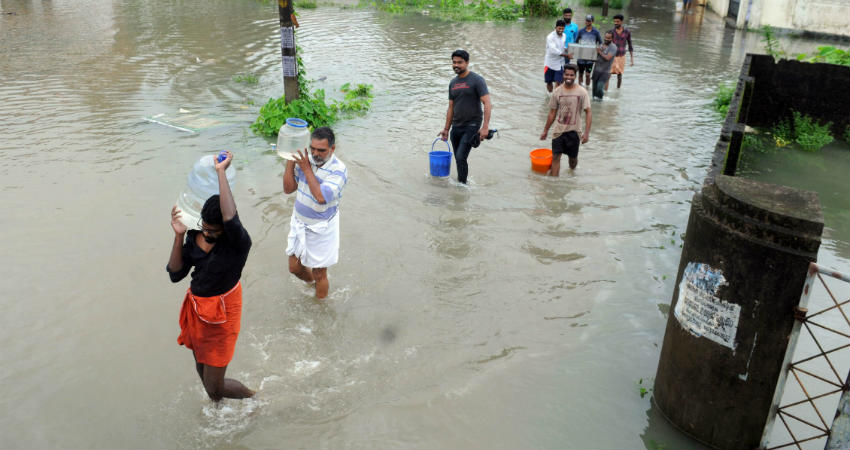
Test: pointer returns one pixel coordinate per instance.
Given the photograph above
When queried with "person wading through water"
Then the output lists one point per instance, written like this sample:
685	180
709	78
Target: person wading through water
467	93
567	102
211	314
318	176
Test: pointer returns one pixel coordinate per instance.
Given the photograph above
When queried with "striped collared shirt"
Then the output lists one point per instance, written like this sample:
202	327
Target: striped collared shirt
332	177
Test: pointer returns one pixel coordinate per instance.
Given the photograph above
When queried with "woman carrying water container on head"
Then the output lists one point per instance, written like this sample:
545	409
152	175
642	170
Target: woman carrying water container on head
212	308
318	177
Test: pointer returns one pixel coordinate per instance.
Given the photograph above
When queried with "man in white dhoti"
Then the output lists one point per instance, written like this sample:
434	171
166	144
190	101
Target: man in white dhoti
318	177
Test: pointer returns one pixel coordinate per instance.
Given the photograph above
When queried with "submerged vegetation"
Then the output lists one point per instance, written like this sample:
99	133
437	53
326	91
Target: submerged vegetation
248	78
312	106
722	97
807	133
810	135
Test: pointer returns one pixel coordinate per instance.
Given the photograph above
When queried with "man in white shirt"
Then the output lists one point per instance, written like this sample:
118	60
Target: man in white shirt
318	176
554	59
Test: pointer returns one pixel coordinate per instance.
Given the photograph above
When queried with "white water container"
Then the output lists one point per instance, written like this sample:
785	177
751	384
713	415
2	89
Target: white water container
201	184
679	6
293	136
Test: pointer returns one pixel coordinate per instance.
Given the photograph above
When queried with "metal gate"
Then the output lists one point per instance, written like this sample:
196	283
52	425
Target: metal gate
813	383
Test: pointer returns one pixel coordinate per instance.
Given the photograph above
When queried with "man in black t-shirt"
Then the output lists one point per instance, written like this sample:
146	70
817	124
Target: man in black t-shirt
467	92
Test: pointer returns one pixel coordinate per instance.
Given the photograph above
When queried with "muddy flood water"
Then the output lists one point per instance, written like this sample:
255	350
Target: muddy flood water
518	312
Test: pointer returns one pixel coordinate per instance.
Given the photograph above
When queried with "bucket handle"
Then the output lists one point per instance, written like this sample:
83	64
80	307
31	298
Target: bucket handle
448	146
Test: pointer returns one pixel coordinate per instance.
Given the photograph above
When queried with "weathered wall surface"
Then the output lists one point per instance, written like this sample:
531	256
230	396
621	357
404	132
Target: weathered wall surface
814	16
818	90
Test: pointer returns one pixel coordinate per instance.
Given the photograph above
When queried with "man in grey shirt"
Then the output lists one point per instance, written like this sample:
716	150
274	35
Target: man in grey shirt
602	70
467	93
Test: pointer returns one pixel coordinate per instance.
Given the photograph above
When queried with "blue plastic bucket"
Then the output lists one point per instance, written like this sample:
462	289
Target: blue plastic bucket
440	161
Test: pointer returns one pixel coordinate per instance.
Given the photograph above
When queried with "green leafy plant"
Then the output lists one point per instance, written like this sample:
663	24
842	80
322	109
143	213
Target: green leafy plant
810	135
642	390
314	108
306	4
754	142
771	44
782	132
460	10
310	106
542	8
615	4
827	54
847	134
248	78
722	97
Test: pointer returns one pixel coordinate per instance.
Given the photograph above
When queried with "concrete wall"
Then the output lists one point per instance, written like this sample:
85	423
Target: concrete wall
814	16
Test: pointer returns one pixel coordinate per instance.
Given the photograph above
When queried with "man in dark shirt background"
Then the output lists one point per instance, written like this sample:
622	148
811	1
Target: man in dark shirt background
467	92
588	35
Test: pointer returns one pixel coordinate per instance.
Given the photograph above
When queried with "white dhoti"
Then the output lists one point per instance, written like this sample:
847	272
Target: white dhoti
317	245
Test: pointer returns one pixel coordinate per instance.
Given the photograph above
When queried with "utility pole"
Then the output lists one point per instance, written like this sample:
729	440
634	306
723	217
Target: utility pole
287	50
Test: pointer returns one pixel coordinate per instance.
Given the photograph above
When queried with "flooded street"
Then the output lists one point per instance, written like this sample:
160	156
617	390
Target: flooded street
519	312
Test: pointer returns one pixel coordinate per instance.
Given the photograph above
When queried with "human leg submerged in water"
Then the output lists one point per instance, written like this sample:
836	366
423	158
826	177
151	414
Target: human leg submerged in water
217	386
461	145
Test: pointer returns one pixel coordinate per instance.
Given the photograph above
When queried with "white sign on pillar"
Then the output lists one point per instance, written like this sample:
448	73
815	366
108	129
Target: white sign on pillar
700	311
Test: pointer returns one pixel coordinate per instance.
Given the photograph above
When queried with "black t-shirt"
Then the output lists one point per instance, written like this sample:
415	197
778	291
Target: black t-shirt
466	94
219	270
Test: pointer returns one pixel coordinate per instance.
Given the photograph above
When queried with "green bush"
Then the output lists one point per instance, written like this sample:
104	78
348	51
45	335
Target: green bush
615	4
827	54
847	134
783	133
306	4
456	10
724	94
809	134
754	142
312	107
542	8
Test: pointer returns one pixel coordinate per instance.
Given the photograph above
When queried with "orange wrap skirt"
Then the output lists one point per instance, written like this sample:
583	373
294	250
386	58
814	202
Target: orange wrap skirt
210	325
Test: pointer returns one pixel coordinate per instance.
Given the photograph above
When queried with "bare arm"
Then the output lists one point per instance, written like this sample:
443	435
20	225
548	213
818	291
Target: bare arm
312	181
228	206
444	134
289	183
175	260
588	119
549	120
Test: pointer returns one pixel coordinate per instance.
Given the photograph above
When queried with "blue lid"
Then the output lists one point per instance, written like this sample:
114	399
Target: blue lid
296	122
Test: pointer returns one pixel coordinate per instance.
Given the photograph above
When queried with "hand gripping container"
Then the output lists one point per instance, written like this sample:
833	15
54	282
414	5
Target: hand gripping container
201	184
294	135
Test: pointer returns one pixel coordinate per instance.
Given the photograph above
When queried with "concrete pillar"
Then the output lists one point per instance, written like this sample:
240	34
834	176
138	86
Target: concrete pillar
744	262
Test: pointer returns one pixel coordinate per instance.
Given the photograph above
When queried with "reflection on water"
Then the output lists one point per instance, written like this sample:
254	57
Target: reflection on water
454	310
